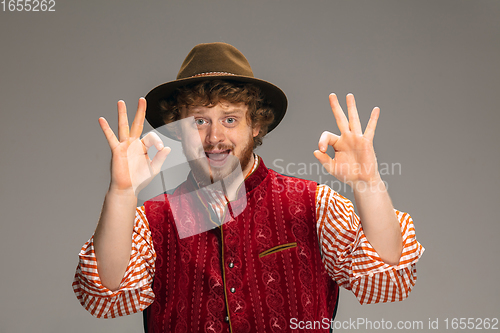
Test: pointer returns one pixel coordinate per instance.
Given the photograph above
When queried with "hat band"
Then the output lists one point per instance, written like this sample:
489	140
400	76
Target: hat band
213	74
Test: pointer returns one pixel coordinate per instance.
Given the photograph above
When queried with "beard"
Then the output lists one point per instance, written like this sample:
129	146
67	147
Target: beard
227	169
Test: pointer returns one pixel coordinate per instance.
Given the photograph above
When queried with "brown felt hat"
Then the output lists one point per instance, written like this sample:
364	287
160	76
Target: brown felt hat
214	61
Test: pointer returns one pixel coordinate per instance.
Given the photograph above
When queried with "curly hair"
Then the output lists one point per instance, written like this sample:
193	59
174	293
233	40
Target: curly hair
211	92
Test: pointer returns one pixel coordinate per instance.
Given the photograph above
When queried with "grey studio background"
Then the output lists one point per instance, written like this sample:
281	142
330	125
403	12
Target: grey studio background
431	66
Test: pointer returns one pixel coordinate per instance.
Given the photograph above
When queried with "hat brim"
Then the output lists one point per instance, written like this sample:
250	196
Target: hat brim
273	95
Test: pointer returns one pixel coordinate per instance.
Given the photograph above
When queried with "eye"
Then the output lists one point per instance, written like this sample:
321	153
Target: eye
230	120
199	122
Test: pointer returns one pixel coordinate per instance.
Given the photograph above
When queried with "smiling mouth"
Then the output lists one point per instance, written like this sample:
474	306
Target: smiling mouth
217	157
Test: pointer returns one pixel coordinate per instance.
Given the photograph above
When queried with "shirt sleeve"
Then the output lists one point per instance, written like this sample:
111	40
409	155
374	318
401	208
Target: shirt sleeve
351	260
135	292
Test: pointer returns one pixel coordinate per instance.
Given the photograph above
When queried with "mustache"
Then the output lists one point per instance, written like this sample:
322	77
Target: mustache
218	147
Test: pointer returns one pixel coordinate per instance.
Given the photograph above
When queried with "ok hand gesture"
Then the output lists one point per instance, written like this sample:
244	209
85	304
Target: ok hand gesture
131	167
354	159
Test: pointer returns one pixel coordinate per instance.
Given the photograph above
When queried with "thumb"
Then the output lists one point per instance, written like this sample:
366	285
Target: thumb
326	161
158	160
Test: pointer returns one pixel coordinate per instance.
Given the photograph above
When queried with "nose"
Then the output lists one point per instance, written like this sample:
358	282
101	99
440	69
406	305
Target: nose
215	134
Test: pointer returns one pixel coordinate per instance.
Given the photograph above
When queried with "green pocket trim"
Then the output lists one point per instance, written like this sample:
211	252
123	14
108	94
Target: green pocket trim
277	249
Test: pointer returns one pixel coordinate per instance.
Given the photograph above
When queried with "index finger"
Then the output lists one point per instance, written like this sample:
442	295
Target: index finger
138	123
327	139
340	117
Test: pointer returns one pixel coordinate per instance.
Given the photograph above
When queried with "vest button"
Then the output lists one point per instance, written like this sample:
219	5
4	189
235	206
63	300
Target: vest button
226	319
231	265
233	290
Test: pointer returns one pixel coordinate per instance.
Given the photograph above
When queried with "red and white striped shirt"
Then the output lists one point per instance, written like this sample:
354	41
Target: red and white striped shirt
347	255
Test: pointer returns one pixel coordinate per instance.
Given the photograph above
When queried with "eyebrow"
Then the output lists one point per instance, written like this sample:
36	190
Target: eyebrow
226	112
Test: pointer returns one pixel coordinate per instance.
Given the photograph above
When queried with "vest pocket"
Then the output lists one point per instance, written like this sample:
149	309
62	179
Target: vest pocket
277	249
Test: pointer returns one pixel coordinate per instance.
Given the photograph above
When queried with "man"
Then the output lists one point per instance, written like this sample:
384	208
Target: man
275	247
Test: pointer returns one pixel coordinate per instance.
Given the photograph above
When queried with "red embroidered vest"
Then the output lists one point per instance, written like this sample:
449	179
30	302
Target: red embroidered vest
261	272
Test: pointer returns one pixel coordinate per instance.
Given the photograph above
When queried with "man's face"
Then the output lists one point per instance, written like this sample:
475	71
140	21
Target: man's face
226	137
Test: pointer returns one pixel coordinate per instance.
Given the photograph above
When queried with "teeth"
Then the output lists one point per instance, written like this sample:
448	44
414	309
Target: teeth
217	156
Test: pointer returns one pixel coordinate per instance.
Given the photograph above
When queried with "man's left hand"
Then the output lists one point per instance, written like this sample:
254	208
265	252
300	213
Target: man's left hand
354	159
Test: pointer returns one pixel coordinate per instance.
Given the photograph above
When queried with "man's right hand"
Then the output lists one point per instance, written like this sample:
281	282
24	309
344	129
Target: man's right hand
131	170
131	167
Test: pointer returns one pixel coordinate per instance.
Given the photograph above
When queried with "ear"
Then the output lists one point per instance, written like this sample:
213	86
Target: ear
256	130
